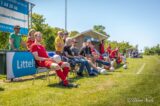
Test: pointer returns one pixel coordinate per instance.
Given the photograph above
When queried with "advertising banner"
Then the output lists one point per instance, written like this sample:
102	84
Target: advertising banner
20	64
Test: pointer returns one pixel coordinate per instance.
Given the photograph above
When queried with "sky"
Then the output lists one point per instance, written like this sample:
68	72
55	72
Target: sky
134	21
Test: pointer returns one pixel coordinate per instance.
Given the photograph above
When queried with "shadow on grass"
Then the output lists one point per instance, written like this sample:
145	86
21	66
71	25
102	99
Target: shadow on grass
1	89
76	78
109	73
119	71
119	66
43	77
59	86
56	85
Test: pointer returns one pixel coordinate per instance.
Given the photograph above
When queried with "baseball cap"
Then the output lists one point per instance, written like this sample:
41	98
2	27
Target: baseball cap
17	26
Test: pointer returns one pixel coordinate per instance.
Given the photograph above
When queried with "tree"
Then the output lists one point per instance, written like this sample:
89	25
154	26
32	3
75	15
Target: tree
100	29
157	49
153	50
73	33
4	38
123	46
49	33
146	51
49	43
38	22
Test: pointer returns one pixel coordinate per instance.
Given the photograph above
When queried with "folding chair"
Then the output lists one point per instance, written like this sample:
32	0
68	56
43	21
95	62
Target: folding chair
41	70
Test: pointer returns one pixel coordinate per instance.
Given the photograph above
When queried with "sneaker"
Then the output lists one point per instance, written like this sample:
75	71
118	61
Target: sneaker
15	79
80	74
103	71
100	69
112	69
71	85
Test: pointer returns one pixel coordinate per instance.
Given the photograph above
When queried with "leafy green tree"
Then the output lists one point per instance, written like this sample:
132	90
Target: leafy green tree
100	29
4	38
48	42
56	29
73	33
157	49
153	50
49	33
123	46
38	22
146	51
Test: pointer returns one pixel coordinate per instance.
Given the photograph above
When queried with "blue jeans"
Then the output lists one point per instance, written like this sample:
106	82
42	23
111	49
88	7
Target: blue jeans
102	62
95	71
84	64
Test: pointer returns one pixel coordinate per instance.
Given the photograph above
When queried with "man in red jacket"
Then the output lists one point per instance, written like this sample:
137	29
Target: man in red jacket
101	47
114	53
43	60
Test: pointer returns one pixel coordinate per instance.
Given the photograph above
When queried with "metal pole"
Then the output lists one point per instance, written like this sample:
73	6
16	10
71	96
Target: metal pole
31	14
30	7
65	15
28	16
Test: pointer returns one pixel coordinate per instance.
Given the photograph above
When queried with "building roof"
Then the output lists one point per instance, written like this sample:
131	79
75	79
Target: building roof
93	34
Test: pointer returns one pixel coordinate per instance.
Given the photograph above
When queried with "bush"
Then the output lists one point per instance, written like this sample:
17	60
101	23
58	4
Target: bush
4	42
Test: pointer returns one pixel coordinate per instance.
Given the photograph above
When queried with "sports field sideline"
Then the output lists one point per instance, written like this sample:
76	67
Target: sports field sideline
139	85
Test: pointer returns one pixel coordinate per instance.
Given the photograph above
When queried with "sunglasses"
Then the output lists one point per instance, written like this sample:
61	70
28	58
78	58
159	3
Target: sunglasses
39	35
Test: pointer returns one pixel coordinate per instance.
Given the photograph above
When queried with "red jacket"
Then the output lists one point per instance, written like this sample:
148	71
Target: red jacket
109	49
113	54
102	51
29	43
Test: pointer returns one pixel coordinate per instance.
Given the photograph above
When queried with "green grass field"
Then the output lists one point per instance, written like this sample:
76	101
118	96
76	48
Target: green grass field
136	86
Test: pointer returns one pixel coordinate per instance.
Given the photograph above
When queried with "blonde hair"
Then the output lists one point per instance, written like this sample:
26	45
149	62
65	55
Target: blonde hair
30	31
37	33
60	32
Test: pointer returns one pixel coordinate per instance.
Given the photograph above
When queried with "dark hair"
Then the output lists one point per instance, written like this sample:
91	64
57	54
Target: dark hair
16	27
65	33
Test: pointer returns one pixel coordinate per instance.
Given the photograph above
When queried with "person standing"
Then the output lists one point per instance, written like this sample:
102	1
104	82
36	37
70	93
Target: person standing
59	43
15	39
101	47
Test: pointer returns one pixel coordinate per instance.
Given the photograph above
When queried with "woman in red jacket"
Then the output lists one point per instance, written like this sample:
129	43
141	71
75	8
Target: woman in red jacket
31	38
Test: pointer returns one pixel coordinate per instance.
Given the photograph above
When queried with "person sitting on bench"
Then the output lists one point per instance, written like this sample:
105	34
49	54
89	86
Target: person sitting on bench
77	59
43	60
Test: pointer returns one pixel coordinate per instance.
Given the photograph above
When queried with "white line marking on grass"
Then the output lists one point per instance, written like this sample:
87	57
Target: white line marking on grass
142	67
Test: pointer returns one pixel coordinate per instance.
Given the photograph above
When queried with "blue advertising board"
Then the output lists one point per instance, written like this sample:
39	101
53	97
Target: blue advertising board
20	64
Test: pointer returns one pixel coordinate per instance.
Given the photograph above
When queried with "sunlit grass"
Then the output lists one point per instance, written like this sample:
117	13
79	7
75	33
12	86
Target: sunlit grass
119	88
